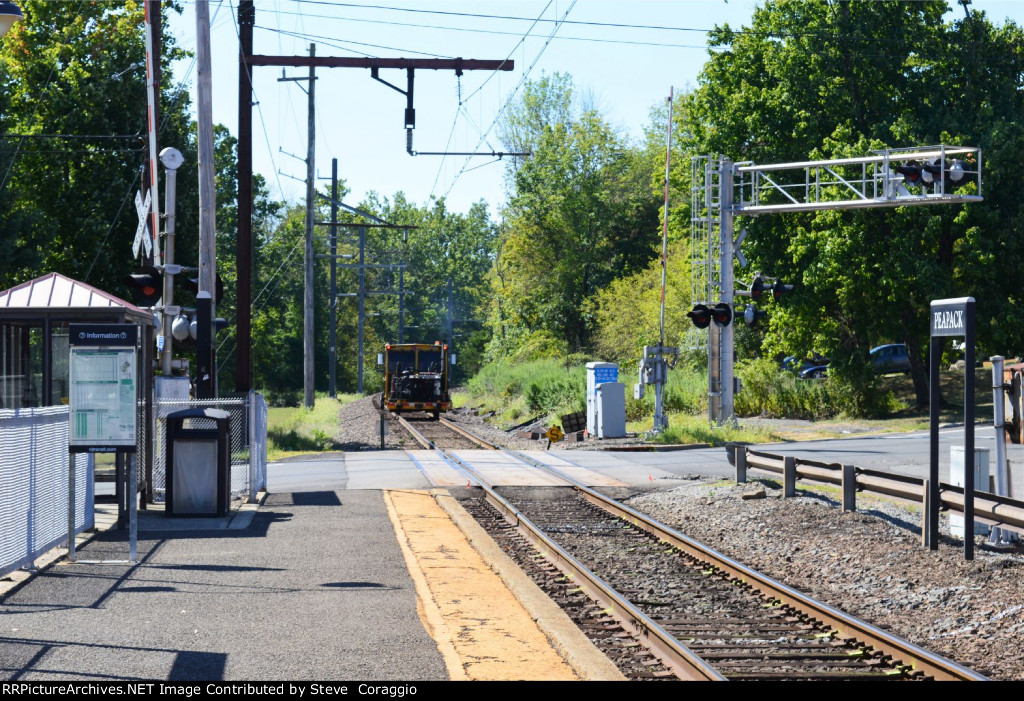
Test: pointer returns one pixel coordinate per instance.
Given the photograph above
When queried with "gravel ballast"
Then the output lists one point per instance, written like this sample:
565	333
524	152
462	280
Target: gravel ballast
869	563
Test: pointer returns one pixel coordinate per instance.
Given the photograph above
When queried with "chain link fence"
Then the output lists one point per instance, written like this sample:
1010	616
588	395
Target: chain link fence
248	427
34	484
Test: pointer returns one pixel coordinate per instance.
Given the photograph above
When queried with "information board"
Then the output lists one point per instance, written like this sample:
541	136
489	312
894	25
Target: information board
104	385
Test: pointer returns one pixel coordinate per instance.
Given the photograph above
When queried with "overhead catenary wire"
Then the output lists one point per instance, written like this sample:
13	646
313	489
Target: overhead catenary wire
512	94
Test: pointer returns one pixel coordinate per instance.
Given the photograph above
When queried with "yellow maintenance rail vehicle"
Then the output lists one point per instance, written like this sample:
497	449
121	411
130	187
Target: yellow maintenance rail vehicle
416	377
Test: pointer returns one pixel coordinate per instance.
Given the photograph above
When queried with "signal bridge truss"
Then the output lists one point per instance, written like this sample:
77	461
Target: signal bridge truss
721	190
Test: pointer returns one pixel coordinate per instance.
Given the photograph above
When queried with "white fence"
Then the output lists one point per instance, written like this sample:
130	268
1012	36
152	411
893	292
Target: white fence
34	484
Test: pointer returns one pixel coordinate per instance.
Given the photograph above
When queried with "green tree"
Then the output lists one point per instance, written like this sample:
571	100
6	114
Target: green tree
580	214
72	80
827	79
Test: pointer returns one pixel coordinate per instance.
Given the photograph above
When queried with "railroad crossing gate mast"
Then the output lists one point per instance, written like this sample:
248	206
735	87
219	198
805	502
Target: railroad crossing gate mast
722	190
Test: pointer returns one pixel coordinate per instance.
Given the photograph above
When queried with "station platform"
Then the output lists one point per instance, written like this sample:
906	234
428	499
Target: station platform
378	583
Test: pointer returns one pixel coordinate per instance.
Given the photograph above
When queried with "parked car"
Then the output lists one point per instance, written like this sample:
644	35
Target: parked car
814	372
811	366
892	357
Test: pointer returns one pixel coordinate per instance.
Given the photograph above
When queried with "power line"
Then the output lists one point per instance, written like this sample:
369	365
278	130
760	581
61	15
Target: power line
462	102
501	111
327	42
494	32
128	195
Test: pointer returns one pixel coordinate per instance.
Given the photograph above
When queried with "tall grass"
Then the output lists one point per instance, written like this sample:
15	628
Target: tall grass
294	430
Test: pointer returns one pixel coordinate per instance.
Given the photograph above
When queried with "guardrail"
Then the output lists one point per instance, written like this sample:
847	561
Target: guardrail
989	508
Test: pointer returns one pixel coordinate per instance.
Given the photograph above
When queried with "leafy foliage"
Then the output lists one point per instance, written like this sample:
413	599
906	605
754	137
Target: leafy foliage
826	79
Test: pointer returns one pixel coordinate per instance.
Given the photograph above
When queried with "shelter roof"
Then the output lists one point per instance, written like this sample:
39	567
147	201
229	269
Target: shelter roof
55	294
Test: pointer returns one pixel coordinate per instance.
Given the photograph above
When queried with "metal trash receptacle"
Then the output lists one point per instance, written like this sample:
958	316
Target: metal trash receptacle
198	463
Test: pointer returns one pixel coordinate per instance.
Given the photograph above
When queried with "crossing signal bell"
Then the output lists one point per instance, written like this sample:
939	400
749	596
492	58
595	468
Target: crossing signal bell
752	315
147	285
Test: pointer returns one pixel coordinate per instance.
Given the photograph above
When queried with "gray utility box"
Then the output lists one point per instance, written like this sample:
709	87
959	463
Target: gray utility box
957	464
597	374
198	463
611	410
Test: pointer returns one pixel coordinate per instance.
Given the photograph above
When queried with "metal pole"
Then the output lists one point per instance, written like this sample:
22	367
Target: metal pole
334	277
449	316
932	526
207	196
999	422
401	302
71	507
664	234
969	431
243	254
308	319
661	367
133	497
170	183
726	338
362	300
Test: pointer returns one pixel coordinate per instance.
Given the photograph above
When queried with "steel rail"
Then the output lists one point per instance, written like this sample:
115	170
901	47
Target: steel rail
672	653
846	626
683	662
487	445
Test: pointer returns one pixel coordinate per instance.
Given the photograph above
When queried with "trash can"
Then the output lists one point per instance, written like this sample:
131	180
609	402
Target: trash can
198	463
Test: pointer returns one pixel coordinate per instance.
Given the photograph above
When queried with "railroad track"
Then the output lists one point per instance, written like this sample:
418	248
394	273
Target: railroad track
698	614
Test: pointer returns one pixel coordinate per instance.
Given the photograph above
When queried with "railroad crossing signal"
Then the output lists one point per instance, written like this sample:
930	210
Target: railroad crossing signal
700	315
779	288
147	284
142	237
721	314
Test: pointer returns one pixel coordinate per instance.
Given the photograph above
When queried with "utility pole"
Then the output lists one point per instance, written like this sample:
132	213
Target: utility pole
449	316
334	278
206	385
243	250
308	381
246	21
401	302
362	299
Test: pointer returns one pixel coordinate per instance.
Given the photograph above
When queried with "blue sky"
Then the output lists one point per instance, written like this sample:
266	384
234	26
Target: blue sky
625	69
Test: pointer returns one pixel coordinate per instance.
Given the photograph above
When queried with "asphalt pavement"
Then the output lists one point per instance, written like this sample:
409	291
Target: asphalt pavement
313	587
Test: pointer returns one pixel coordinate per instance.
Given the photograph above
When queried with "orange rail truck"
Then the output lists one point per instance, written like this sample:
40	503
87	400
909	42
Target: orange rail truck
416	377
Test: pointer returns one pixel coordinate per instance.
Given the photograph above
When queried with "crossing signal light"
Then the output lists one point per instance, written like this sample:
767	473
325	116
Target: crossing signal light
700	315
757	288
912	172
192	285
721	314
147	286
779	288
752	315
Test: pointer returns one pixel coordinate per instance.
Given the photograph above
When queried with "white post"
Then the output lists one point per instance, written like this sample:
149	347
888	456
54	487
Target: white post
252	446
999	419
